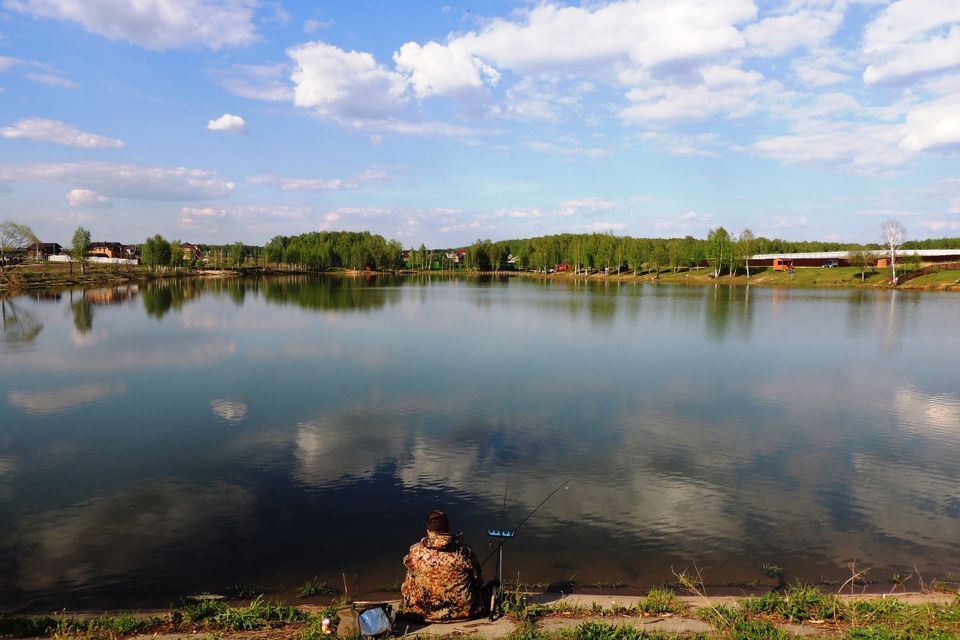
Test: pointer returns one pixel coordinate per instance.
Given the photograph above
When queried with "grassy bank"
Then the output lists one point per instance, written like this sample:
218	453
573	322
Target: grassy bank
52	275
798	609
803	277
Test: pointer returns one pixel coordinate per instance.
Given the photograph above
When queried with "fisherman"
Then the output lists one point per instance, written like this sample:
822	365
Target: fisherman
444	578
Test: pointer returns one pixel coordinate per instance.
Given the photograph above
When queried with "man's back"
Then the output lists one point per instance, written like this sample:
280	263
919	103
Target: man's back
443	579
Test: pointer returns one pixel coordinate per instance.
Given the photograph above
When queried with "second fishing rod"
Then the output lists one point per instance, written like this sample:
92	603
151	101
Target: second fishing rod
502	535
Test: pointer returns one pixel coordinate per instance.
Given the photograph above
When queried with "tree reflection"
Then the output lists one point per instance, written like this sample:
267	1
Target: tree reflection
162	296
718	313
20	326
326	293
82	311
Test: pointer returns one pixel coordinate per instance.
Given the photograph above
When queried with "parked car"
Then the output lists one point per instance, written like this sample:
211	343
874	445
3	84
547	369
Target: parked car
831	263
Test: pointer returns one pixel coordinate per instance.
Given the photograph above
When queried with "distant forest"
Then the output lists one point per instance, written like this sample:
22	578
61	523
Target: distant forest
359	250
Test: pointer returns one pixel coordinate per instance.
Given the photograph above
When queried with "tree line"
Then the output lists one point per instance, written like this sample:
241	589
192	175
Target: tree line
722	251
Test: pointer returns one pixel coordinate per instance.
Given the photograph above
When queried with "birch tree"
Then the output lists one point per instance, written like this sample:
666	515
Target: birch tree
718	248
893	234
746	245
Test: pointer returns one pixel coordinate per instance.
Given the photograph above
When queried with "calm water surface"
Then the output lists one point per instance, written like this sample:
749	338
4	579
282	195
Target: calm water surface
192	436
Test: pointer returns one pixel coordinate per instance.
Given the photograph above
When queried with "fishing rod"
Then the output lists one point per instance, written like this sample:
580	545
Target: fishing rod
502	536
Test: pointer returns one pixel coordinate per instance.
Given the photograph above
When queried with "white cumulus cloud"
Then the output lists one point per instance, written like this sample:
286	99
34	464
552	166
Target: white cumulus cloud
228	123
861	148
57	132
724	90
88	199
777	35
443	70
911	38
933	126
345	84
154	24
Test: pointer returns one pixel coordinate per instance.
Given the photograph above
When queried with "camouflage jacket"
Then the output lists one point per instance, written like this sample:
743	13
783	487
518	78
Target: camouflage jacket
443	579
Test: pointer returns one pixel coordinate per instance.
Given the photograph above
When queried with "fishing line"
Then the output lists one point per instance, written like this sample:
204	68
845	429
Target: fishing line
506	535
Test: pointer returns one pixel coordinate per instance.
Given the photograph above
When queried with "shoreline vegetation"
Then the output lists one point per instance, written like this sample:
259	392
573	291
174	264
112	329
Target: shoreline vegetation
664	612
27	277
720	258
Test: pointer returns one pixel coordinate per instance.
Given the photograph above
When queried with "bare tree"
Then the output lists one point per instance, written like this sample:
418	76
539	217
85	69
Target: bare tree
893	234
13	239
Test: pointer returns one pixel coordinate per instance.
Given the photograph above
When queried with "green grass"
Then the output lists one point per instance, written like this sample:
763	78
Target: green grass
259	614
938	279
106	626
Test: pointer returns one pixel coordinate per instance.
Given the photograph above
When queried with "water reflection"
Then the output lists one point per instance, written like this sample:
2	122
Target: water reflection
230	410
726	305
82	311
803	440
162	296
58	400
20	326
130	532
339	294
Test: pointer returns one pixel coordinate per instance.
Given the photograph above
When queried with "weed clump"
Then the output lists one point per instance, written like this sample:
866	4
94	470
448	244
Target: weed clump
880	632
757	630
316	587
661	601
602	631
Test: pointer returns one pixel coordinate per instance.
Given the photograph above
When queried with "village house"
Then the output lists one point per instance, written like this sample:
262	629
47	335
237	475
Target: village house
42	250
191	252
105	250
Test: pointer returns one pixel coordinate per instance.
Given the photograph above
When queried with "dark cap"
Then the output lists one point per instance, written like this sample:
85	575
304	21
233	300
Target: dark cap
437	522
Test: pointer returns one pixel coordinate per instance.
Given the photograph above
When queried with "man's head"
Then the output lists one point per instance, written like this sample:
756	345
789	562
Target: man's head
437	522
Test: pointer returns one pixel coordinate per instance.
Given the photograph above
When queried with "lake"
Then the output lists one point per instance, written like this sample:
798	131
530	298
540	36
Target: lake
189	436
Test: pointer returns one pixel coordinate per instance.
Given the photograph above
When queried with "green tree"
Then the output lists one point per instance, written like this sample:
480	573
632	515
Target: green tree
176	254
422	257
861	259
635	257
274	249
658	257
718	249
394	255
236	254
80	247
155	252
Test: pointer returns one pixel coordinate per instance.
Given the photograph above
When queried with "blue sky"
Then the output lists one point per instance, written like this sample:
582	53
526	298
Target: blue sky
227	120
